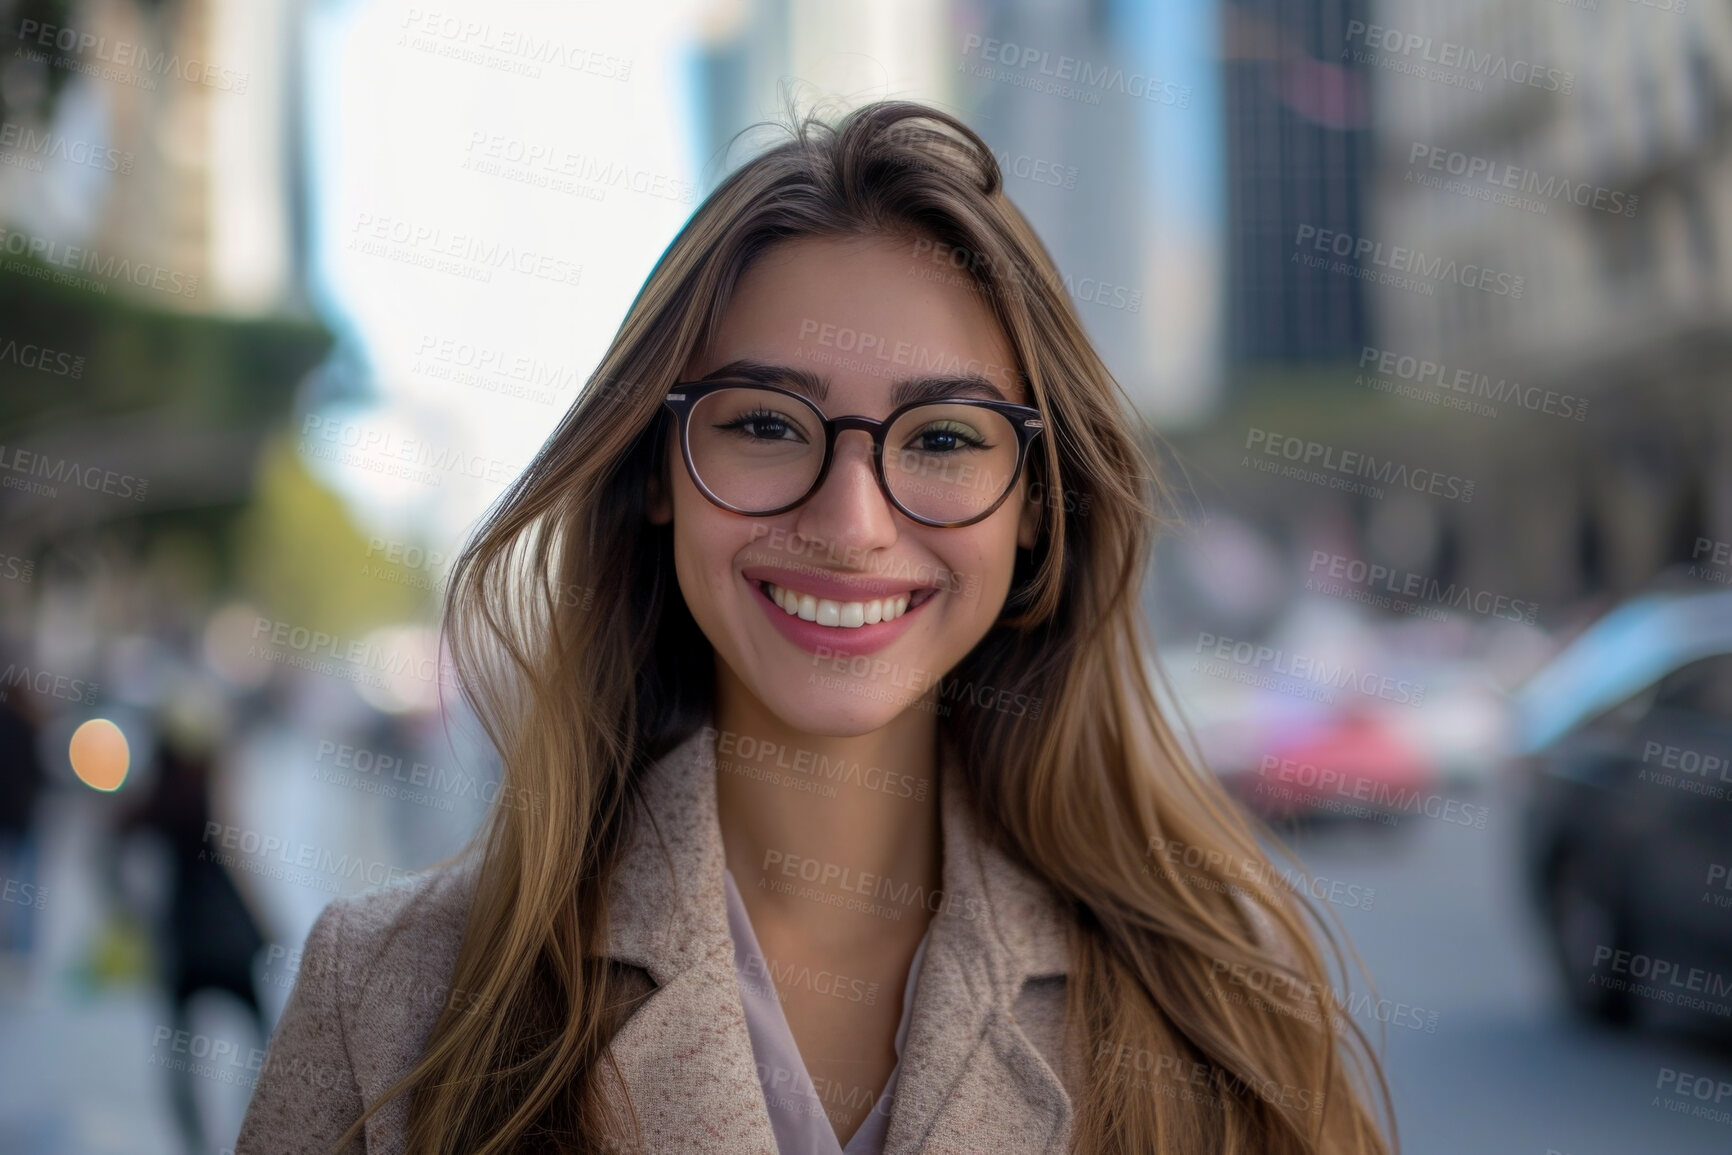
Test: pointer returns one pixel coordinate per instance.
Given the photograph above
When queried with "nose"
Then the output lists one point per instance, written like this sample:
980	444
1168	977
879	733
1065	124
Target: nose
849	510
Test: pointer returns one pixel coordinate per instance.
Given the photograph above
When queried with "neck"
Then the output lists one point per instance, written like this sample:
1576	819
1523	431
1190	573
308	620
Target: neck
816	827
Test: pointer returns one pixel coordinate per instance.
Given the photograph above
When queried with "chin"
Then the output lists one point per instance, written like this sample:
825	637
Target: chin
835	712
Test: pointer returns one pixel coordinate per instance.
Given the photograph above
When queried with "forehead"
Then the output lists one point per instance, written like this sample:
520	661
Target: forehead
863	313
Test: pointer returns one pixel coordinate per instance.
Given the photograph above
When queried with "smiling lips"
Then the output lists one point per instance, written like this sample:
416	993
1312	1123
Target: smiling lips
844	614
833	614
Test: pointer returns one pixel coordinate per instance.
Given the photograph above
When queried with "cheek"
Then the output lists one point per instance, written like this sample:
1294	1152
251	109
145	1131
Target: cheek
982	564
705	541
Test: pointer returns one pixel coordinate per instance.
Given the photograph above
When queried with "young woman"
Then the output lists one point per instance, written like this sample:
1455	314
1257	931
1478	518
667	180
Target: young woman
845	817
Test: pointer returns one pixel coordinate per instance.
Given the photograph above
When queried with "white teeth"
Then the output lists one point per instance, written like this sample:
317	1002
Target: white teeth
845	615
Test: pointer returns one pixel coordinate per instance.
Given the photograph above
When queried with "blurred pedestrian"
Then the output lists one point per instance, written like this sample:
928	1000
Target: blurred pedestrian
206	937
21	781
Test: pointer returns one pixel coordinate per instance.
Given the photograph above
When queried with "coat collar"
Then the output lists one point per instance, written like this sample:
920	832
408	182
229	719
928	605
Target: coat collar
666	912
967	1070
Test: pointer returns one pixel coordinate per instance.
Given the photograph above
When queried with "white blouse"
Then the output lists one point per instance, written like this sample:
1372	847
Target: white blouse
796	1109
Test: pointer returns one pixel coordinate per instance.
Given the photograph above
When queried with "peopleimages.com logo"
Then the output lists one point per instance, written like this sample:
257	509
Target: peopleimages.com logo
65	260
522	51
1503	180
30	146
1718	568
466	255
1344	468
41	358
1396	261
1192	1080
1454	387
1434	59
1385	587
1070	76
1708	1092
124	60
1214	870
1272	662
20	467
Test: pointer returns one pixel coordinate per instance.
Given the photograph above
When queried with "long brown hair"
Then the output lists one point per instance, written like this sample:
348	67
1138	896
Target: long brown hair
1194	963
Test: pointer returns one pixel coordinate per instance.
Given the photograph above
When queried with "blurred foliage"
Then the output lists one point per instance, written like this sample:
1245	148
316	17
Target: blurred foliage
215	371
137	363
302	560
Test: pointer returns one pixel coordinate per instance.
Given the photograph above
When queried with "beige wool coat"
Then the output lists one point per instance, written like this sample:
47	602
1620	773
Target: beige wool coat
984	1067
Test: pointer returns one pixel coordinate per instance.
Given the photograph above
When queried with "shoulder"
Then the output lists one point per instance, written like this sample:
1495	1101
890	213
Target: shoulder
427	906
369	984
371	951
378	965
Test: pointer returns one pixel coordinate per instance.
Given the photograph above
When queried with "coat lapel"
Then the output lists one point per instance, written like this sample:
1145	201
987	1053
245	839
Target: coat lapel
970	1080
685	1053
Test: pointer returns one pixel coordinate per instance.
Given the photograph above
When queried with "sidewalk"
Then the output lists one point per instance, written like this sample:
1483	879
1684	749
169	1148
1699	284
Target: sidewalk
77	1075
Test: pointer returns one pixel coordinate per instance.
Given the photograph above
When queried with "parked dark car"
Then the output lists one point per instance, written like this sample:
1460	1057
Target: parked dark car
1626	764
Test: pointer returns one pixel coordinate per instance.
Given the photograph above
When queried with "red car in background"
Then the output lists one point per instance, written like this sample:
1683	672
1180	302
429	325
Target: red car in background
1353	764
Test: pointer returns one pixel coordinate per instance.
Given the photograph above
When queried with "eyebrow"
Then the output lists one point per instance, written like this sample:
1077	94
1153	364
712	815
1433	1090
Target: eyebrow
817	387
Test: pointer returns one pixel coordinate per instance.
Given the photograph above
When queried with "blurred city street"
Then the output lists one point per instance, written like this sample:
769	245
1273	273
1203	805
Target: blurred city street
1423	310
1508	1071
76	1059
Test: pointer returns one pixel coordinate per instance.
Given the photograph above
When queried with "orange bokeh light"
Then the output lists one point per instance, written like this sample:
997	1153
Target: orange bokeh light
100	755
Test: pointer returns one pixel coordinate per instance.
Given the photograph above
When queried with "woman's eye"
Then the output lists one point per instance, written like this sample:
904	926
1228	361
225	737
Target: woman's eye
763	426
766	427
947	437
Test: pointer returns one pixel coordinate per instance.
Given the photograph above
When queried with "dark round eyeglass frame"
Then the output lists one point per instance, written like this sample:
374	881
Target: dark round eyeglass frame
683	397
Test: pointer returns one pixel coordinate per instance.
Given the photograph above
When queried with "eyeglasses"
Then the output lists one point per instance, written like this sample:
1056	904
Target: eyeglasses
762	450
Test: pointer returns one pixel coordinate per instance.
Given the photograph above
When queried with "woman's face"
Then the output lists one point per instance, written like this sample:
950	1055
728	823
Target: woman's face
855	317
